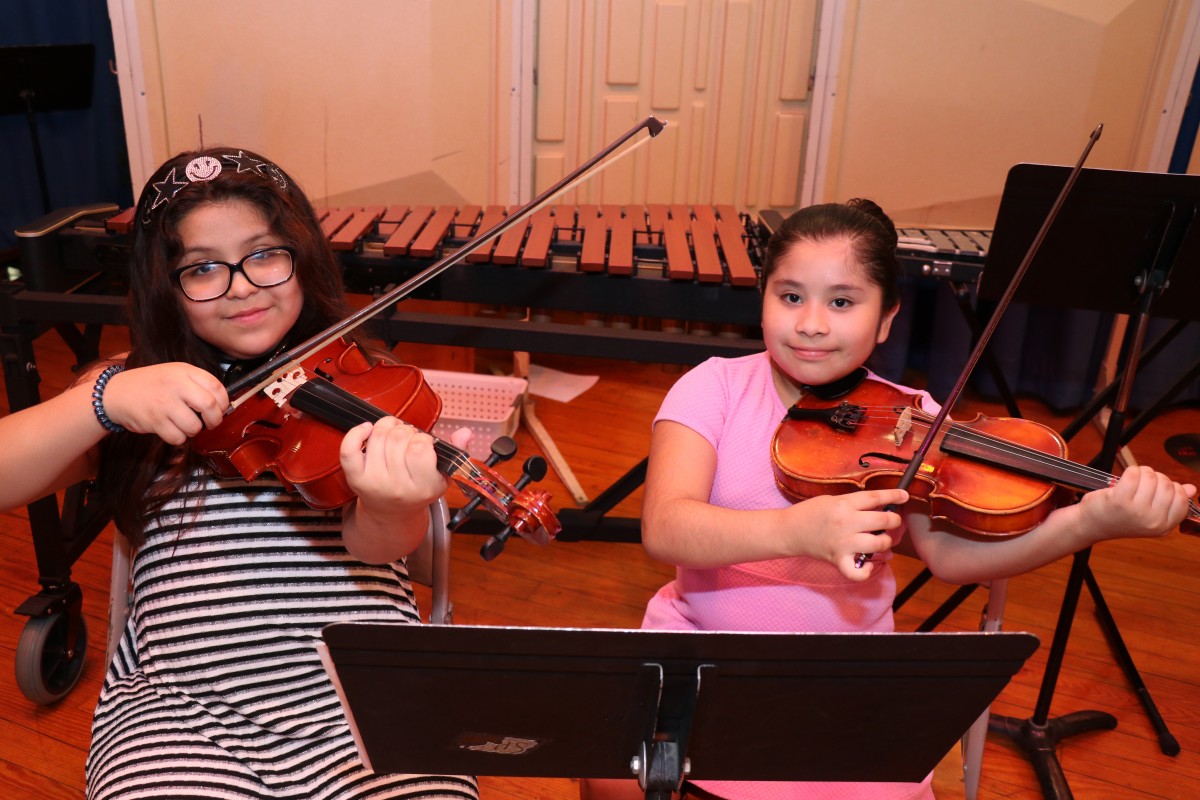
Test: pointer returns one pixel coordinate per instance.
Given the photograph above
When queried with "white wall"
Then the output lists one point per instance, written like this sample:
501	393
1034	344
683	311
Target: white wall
411	101
383	101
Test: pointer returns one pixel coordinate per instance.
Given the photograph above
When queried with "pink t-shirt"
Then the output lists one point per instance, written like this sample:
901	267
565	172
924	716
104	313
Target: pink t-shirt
733	404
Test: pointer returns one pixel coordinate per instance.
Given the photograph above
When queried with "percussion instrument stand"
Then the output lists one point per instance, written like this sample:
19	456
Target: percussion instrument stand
1171	224
540	435
962	296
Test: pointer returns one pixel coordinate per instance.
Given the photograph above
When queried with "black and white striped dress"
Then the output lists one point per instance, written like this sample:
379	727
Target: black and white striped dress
217	691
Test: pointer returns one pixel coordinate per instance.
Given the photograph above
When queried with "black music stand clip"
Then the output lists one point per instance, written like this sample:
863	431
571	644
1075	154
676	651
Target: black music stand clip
1114	248
663	705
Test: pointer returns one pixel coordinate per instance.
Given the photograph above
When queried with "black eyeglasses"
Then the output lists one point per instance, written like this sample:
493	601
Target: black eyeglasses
208	280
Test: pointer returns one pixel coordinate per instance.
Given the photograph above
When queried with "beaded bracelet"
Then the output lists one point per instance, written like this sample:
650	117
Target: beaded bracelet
98	399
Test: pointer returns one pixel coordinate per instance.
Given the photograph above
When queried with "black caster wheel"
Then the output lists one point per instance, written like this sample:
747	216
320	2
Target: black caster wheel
48	665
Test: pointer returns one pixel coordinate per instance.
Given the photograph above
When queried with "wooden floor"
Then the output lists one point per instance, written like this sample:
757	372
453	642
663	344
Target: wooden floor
1150	586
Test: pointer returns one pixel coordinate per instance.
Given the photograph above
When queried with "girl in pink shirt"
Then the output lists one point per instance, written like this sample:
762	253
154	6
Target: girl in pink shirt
749	557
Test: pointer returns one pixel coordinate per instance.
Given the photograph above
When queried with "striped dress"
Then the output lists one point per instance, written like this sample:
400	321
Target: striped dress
216	690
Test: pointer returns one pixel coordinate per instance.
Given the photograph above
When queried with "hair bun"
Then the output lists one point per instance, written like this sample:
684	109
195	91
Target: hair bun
872	209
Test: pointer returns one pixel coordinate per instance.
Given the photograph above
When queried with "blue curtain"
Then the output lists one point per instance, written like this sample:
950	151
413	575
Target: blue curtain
1049	353
84	150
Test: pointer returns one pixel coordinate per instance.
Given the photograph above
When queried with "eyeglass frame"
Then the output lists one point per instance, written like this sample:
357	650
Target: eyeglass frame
177	273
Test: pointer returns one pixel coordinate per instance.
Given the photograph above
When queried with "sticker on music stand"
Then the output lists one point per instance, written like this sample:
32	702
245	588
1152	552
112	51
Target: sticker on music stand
1184	448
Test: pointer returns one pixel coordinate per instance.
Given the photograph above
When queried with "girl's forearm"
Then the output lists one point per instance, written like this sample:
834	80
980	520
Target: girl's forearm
380	538
960	559
48	447
692	533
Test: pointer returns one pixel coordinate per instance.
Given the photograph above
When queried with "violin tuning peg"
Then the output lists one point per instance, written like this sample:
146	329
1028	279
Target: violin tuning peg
535	468
494	546
503	449
461	515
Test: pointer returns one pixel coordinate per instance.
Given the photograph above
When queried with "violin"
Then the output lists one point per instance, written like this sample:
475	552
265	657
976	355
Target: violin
991	476
335	389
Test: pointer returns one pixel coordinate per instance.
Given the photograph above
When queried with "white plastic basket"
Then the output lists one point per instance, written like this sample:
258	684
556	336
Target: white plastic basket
487	404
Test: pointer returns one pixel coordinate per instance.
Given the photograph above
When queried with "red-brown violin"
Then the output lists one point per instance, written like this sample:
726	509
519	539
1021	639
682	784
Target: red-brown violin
993	476
337	388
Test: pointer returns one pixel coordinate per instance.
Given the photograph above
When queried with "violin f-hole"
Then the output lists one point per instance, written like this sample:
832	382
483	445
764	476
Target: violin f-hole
864	460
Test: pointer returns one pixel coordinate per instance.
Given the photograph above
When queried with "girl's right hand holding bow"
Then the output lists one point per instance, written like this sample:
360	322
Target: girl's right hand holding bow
681	527
54	444
837	528
173	401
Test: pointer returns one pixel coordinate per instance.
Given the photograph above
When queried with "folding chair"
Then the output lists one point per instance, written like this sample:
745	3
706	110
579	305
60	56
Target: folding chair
972	743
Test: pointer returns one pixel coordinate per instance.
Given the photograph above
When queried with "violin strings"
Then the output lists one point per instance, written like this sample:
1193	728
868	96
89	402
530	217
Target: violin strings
1000	445
885	416
353	407
960	432
459	460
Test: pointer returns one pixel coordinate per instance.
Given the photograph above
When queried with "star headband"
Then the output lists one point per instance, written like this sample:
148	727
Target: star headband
207	168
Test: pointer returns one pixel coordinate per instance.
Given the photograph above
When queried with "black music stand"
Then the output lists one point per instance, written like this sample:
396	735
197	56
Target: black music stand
603	703
1113	248
46	77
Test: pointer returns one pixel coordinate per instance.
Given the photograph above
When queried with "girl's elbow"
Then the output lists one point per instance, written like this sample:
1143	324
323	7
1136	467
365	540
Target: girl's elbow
652	543
949	569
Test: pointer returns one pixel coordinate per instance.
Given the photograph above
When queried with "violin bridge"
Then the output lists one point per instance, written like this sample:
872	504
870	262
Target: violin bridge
284	385
903	426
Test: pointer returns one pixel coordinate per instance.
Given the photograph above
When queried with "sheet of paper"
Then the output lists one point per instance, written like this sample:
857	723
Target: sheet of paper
557	385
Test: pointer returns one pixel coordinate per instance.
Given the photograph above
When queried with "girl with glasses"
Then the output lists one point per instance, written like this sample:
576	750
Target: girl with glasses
217	690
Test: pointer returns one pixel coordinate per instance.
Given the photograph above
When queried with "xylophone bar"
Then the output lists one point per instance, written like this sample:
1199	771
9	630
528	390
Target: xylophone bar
706	244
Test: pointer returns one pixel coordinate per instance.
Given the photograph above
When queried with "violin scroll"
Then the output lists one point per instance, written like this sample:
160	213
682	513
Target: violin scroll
529	512
503	449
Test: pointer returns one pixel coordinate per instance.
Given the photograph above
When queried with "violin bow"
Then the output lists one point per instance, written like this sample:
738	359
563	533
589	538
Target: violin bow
250	383
960	383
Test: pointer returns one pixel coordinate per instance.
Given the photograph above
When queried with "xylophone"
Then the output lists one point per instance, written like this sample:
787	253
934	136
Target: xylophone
957	254
667	261
657	262
695	264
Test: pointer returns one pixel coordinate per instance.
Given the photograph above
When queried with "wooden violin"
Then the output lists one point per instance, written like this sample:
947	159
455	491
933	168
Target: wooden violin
337	388
992	476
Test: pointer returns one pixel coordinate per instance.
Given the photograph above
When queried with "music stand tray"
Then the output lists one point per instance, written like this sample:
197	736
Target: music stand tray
565	702
1115	226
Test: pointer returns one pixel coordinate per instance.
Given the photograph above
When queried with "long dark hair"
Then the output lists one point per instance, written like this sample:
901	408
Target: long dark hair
871	232
131	464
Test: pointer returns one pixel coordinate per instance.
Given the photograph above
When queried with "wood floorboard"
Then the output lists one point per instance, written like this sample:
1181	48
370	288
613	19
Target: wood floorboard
1150	587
